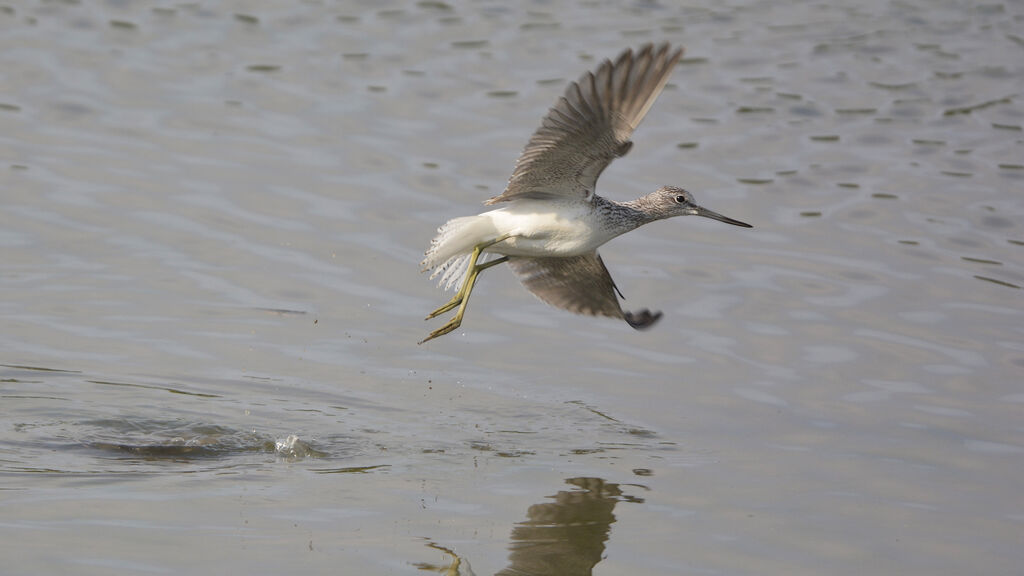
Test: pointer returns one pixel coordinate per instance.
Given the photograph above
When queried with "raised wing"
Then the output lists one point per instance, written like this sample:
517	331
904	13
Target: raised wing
590	126
579	284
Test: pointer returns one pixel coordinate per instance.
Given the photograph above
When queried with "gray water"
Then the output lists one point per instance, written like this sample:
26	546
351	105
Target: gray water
211	219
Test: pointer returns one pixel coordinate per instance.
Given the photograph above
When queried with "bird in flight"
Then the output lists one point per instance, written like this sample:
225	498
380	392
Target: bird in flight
550	221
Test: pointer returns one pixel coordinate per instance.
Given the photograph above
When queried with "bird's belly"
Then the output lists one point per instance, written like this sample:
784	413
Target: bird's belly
540	233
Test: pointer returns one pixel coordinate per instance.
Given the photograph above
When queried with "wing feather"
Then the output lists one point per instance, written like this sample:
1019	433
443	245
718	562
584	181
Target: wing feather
579	284
590	125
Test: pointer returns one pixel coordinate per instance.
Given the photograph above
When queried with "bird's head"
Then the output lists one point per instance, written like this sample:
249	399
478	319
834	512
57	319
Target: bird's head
669	201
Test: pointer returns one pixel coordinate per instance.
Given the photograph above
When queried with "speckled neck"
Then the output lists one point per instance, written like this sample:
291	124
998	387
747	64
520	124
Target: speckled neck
621	217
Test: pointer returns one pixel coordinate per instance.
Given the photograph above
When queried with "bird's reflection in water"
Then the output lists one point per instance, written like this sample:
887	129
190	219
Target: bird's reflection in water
458	566
565	537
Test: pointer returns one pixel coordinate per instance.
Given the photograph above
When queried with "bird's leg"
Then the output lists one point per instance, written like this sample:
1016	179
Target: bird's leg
456	320
467	286
477	251
461	298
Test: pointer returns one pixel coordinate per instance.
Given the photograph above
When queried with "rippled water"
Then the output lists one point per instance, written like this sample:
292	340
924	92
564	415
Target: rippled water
211	222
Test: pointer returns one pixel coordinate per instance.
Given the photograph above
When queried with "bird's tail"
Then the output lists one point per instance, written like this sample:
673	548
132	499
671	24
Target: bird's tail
450	251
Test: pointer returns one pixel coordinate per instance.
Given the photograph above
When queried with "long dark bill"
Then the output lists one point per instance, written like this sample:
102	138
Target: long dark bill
716	216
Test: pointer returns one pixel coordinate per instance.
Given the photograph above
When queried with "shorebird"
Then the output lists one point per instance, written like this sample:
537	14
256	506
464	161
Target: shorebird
551	222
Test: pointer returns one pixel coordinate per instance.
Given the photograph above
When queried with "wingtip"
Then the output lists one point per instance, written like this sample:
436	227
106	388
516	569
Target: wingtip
642	319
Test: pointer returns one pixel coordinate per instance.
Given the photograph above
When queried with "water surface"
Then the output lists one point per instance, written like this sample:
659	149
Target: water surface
211	218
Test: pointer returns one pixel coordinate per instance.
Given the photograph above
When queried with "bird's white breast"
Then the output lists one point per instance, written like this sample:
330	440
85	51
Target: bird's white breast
545	228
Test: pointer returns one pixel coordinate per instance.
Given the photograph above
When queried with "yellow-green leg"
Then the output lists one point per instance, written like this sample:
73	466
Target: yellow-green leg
477	251
461	298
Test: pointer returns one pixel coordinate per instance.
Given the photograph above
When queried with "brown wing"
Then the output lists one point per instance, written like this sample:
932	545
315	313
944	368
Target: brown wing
590	126
579	284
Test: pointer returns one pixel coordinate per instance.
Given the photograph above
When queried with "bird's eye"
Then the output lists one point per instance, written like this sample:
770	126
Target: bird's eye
681	199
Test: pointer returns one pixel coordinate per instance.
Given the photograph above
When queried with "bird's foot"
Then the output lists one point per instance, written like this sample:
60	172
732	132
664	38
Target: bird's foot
461	298
455	301
451	326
